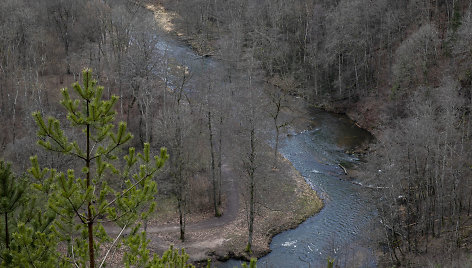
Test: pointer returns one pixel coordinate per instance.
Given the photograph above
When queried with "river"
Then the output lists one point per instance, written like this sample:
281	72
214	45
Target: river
339	230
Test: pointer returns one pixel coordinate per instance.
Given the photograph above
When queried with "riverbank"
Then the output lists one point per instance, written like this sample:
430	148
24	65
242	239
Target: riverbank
284	200
366	113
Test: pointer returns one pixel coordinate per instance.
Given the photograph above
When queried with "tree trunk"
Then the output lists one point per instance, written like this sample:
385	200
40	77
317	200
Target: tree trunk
220	152
178	175
213	177
164	102
130	106
7	234
277	133
252	158
357	77
339	74
66	48
278	106
181	219
14	117
89	205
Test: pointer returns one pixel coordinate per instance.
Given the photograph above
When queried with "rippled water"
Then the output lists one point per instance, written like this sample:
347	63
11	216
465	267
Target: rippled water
339	230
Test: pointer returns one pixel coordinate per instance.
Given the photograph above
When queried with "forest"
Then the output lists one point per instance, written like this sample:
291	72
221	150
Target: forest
148	133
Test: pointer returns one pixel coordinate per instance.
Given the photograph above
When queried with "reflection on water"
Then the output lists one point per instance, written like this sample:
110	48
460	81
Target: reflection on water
340	129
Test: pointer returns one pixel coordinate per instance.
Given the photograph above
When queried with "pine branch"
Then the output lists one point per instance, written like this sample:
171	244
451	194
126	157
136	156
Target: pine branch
81	217
125	192
64	150
114	219
108	152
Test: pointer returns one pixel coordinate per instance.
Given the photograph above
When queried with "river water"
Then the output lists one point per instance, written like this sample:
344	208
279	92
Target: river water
339	231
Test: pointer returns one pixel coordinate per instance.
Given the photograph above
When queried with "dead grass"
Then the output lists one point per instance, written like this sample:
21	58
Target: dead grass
171	22
163	17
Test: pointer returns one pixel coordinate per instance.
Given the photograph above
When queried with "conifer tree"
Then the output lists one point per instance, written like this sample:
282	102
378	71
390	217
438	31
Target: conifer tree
12	189
25	234
34	245
85	199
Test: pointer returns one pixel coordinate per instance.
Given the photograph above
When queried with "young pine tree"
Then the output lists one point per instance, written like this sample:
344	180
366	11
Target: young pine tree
26	239
99	191
12	189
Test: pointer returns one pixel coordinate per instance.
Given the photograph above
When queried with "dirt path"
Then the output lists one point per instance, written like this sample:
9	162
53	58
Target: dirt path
203	237
286	201
232	204
230	212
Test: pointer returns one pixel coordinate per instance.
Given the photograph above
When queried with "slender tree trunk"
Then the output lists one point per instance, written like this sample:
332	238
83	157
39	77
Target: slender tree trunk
14	117
179	177
120	84
213	177
305	37
181	219
147	128
89	205
66	47
129	107
220	152
339	74
357	76
147	139
252	158
275	116
164	103
277	133
7	234
141	135
2	93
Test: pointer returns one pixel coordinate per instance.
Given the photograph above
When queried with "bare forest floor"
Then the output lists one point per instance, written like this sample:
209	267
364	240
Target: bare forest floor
286	200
